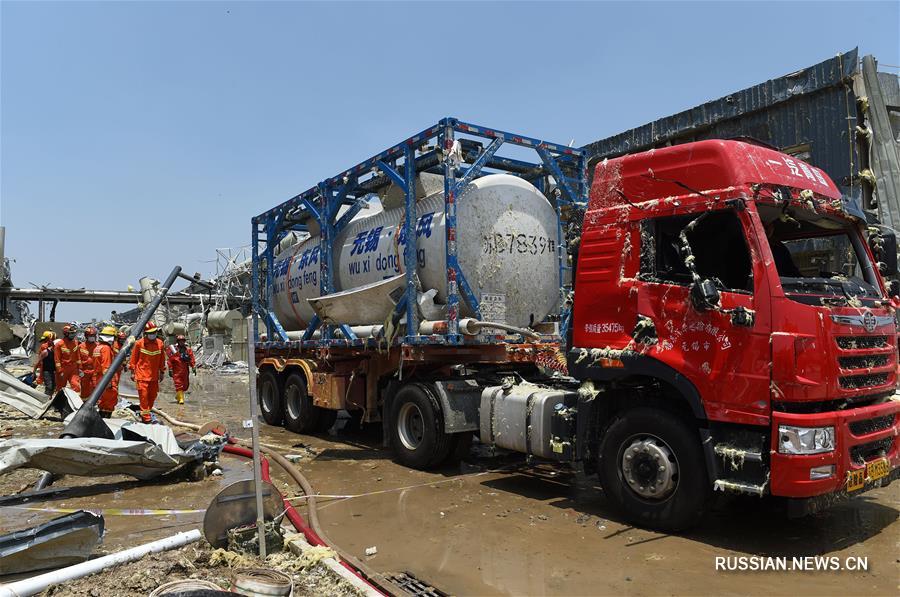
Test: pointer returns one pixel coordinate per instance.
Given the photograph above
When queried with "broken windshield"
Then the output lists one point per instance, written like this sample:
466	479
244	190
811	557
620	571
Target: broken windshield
818	257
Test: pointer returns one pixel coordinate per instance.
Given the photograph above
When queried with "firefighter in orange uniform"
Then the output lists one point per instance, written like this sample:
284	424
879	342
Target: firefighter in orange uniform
148	366
45	367
103	357
181	358
65	355
86	362
118	345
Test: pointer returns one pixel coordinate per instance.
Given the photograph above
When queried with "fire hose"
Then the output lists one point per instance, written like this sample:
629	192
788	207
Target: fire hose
312	531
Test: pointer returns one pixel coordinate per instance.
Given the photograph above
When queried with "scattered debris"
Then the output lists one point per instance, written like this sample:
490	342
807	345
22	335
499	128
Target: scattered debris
371	551
245	538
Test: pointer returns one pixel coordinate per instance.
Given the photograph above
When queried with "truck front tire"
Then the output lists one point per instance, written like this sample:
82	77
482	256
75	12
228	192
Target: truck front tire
417	428
269	393
652	469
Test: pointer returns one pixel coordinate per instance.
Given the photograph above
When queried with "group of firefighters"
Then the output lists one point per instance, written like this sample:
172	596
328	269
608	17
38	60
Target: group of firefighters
81	365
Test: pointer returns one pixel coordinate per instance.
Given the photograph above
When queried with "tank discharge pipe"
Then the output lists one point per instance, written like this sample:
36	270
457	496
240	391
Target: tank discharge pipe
360	331
39	583
471	327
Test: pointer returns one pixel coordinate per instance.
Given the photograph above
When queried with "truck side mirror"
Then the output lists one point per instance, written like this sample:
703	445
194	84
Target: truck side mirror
704	295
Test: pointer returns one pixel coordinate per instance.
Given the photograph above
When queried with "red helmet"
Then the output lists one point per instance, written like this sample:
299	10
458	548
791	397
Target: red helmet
180	337
90	331
150	328
68	328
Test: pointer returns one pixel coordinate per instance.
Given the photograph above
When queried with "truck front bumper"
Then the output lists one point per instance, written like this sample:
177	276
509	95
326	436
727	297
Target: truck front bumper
862	436
797	507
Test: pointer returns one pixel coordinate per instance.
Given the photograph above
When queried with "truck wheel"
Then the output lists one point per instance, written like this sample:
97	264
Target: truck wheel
300	414
417	428
652	469
268	389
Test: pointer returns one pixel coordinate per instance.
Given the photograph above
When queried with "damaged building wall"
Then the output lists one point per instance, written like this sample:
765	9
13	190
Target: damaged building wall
811	113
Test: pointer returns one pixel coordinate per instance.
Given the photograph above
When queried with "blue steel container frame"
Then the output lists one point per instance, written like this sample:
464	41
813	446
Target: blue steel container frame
323	201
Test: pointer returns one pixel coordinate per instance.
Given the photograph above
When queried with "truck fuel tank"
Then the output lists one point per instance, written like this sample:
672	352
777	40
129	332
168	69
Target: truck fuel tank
529	418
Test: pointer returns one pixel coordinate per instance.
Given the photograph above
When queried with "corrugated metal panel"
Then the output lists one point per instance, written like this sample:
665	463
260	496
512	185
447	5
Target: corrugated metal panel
739	105
814	106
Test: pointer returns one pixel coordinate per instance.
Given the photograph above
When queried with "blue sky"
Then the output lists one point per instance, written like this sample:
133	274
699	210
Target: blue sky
140	135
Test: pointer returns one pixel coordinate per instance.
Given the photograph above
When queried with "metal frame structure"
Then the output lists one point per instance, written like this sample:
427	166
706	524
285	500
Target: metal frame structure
451	148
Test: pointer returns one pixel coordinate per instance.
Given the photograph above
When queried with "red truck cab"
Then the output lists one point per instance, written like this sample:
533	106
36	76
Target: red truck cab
726	285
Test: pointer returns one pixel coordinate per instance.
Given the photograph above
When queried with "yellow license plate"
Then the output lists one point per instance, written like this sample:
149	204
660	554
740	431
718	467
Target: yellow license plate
856	479
878	469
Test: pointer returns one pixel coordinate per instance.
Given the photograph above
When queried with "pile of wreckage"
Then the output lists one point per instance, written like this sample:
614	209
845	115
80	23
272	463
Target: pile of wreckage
65	548
245	519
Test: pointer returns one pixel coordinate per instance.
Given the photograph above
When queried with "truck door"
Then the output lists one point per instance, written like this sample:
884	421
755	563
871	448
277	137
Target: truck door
724	353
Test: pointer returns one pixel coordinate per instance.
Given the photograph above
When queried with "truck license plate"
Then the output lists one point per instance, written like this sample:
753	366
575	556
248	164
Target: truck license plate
878	469
856	479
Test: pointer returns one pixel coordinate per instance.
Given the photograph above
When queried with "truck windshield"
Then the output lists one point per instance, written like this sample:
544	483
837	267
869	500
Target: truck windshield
819	259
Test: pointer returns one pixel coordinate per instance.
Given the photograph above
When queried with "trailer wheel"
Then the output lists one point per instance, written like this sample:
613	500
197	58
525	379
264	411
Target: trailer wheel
652	469
417	428
300	414
269	395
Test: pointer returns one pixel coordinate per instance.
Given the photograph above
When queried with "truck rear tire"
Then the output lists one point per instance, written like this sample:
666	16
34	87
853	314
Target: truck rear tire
300	414
269	394
417	428
652	469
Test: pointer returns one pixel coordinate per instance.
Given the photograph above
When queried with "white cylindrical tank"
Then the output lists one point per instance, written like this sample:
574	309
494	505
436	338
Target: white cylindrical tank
506	246
222	322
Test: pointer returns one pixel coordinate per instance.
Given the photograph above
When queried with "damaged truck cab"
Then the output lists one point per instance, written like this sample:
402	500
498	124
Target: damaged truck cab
730	330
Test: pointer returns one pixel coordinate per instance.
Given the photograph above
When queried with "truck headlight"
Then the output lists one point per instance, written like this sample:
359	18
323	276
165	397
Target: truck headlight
805	440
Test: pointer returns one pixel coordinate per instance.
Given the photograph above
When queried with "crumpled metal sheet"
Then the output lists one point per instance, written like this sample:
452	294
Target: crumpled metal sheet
62	541
28	400
361	305
139	450
20	395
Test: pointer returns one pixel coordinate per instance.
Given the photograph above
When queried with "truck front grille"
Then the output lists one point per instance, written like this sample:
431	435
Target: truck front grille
856	382
863	362
867	426
861	342
865	452
857	354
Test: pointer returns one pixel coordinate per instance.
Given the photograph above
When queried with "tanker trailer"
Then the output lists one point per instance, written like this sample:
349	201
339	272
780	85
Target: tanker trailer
506	247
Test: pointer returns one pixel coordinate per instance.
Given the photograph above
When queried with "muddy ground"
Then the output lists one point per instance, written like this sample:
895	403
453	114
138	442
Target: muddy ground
494	526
